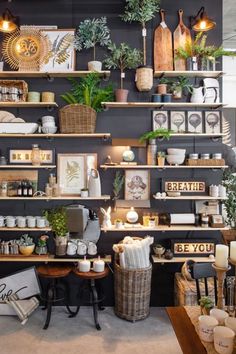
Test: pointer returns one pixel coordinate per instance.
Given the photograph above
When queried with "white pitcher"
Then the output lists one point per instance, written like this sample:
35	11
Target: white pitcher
197	95
94	184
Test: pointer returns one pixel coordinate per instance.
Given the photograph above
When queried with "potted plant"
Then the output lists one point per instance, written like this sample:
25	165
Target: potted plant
142	12
206	305
57	219
122	57
229	182
93	32
84	193
162	86
158	133
178	86
41	247
161	158
26	245
117	185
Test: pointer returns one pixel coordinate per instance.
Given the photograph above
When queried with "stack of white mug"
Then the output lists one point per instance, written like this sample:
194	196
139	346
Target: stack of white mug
217	191
48	125
23	221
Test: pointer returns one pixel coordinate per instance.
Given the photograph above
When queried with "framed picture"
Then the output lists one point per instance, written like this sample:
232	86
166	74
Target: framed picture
194	122
177	121
61	54
73	171
159	120
137	185
17	156
213	122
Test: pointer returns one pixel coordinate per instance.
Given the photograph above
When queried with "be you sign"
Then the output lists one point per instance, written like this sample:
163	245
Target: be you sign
194	248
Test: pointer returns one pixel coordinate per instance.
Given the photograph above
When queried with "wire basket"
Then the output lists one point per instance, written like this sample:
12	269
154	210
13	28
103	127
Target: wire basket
77	118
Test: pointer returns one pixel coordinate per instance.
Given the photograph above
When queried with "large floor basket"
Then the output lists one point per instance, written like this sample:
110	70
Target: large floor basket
132	293
78	119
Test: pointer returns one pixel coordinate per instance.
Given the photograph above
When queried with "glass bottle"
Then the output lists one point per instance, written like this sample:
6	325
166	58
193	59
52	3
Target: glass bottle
35	155
19	190
24	189
30	190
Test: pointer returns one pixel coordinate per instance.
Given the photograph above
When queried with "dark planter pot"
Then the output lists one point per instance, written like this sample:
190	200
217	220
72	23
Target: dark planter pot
121	95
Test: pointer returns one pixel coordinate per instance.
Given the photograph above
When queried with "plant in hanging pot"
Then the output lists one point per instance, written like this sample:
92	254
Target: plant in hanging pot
26	245
179	86
142	11
122	57
91	33
57	219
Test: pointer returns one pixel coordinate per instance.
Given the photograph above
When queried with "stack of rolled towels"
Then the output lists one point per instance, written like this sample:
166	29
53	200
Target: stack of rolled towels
134	253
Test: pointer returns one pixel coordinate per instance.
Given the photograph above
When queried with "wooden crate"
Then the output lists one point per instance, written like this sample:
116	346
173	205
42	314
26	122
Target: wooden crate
202	162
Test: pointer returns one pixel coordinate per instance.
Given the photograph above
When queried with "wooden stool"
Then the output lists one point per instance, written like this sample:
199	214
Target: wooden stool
54	273
89	279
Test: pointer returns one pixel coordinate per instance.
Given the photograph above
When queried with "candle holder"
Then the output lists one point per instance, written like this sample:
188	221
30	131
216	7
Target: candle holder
220	273
233	262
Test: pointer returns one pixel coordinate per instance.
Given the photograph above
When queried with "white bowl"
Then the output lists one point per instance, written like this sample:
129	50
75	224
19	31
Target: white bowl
175	159
176	151
18	128
47	119
49	130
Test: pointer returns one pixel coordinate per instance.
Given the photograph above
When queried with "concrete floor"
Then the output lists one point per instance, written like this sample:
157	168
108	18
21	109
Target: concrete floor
79	336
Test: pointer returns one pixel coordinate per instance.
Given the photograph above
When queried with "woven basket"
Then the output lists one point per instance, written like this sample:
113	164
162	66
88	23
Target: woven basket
13	90
207	162
77	118
132	293
144	79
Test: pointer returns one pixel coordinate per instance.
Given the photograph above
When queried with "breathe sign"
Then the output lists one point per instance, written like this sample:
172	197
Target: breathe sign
184	186
193	248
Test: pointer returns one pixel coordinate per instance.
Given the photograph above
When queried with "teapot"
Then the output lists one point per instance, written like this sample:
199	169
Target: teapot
92	249
197	95
81	248
71	249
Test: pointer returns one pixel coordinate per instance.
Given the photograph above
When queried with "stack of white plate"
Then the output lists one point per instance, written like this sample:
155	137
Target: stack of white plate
48	125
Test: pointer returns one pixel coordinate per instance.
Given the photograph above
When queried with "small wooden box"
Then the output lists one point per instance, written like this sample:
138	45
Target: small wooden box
207	162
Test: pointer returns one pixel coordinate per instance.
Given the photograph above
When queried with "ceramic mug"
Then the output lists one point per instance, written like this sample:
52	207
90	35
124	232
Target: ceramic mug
81	249
21	221
31	221
223	340
40	222
71	249
10	221
206	328
220	315
2	221
92	249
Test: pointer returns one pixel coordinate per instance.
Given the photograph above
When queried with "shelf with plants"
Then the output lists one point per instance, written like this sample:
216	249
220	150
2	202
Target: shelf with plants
25	229
189	197
163	228
28	104
104	136
46	198
161	105
156	167
31	167
188	73
156	259
48	258
51	74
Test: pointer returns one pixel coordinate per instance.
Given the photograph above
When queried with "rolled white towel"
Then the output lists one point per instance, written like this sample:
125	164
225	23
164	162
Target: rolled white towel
122	260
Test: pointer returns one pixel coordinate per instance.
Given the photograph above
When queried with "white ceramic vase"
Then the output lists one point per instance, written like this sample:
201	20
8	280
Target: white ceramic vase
94	65
94	184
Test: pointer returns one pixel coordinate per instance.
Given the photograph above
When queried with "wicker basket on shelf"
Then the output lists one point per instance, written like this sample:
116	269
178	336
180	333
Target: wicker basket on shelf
207	162
77	118
13	90
132	292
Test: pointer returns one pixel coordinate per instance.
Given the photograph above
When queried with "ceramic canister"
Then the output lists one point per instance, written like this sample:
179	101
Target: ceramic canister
33	96
48	96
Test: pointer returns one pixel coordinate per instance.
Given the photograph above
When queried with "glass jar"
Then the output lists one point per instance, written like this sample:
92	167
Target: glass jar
35	155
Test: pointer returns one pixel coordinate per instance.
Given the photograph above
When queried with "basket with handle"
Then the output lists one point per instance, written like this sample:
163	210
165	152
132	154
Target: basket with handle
77	118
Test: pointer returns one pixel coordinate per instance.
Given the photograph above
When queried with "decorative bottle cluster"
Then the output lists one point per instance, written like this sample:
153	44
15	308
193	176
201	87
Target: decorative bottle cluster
52	189
24	189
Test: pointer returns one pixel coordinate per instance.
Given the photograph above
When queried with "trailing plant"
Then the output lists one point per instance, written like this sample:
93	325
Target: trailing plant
25	240
229	182
57	219
163	81
42	241
182	83
141	11
117	185
161	132
92	32
88	91
122	57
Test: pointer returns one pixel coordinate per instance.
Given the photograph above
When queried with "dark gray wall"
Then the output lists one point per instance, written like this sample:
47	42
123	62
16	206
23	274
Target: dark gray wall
120	123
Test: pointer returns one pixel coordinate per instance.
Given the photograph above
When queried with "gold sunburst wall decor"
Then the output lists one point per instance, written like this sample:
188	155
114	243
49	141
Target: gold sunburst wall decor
25	49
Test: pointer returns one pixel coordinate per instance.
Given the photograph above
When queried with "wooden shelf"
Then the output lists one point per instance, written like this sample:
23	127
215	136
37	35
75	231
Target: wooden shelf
189	197
103	197
163	228
182	259
78	73
196	135
161	105
138	167
210	74
28	104
104	136
28	229
46	259
31	167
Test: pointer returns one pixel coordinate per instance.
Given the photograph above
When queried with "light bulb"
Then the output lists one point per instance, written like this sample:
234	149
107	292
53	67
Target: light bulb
203	25
132	216
5	25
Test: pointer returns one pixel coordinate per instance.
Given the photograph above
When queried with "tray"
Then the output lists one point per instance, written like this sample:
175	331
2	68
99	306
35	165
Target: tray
18	128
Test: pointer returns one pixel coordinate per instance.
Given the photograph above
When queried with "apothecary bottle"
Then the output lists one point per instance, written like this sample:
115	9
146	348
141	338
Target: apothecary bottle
35	155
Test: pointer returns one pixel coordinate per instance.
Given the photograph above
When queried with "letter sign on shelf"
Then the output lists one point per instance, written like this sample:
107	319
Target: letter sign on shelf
185	187
194	248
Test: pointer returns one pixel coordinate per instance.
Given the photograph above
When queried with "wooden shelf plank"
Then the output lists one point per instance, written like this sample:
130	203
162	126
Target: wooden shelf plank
28	229
189	197
50	136
28	104
162	228
196	135
182	259
138	167
161	105
210	74
46	259
46	167
103	197
77	73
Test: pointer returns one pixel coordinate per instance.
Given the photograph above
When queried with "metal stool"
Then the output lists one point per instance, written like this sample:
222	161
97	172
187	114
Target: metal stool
55	275
88	282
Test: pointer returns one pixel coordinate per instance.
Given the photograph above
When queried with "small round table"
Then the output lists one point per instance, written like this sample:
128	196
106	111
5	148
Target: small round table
89	279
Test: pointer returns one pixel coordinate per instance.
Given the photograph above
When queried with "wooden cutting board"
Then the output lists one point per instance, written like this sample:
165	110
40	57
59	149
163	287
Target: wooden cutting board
163	47
182	35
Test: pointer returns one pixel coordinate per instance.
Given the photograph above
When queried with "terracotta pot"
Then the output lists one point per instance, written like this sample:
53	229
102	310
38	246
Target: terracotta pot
94	65
121	95
26	250
162	89
161	161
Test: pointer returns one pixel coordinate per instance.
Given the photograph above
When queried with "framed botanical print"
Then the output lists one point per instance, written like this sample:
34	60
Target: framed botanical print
17	156
61	54
137	185
159	120
177	121
213	122
194	122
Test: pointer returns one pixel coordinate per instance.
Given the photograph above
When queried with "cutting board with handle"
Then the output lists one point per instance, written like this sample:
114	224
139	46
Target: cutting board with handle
163	47
182	36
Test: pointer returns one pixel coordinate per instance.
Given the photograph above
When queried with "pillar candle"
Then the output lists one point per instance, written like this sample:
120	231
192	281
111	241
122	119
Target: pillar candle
84	265
233	251
98	265
222	254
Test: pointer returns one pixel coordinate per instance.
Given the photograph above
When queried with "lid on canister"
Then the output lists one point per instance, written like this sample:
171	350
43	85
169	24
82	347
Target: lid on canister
35	146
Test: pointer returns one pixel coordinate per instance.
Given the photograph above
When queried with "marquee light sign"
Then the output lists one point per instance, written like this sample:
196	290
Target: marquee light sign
185	186
193	248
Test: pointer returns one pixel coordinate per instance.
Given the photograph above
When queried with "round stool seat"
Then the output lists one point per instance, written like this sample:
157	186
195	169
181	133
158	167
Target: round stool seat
91	275
53	271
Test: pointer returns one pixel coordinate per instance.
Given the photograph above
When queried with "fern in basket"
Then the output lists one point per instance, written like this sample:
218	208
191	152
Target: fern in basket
88	91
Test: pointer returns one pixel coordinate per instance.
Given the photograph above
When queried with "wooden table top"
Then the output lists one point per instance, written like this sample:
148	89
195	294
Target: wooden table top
185	332
91	274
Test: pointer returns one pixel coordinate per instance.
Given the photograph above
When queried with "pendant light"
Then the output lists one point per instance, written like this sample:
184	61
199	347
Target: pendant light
201	22
7	23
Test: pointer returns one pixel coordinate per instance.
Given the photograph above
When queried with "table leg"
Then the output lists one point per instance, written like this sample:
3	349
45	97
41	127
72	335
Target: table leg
95	303
50	296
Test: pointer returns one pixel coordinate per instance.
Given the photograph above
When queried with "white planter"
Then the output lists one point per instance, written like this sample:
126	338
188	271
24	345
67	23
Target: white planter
94	65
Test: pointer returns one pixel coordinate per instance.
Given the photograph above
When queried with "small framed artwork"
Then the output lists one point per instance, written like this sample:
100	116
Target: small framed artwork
61	54
217	220
213	122
137	185
159	120
177	121
194	122
17	156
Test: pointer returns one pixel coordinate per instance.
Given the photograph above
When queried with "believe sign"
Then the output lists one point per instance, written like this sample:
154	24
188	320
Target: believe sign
185	186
